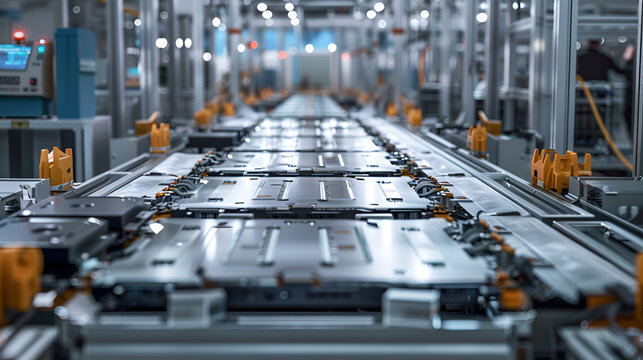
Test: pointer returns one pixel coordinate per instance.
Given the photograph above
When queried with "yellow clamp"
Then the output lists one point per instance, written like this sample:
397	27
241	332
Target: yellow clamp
160	139
58	167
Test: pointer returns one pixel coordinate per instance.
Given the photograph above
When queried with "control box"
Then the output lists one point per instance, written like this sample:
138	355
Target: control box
26	79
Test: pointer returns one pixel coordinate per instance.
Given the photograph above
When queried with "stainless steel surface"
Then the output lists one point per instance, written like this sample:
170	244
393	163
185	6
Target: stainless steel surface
361	194
317	163
308	106
307	144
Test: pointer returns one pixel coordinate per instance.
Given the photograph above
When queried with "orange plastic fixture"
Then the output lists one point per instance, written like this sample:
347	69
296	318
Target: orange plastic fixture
415	117
145	126
20	271
213	106
391	109
494	127
477	139
228	109
553	169
203	118
58	167
160	139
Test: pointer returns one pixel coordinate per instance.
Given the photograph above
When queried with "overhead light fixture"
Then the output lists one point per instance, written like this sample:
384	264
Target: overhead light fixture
262	7
161	43
382	24
424	14
482	17
241	48
332	47
415	23
371	14
267	14
292	14
137	22
179	43
294	22
216	21
289	6
379	6
282	55
207	56
187	43
309	48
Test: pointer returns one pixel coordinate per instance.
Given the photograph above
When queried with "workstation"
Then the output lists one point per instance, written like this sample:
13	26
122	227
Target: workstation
354	179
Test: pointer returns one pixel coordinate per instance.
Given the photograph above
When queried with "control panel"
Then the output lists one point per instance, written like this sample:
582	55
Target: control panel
27	70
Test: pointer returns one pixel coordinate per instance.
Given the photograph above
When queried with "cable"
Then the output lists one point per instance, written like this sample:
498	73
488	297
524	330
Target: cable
601	125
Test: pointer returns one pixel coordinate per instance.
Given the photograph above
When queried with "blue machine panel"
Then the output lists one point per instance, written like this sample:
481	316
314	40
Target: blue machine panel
75	69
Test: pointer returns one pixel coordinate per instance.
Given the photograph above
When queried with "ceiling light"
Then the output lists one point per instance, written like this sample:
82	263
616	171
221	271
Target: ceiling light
216	21
292	14
188	43
424	14
161	43
262	7
241	48
379	6
289	6
179	43
309	48
482	17
332	47
294	22
381	24
267	14
207	56
371	14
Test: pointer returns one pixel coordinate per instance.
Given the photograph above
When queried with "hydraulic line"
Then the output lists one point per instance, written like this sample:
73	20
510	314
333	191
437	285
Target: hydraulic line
601	125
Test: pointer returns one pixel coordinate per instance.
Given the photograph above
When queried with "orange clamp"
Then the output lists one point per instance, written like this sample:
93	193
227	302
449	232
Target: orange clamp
414	116
145	126
391	109
160	139
20	271
58	167
494	127
477	140
228	109
203	118
554	173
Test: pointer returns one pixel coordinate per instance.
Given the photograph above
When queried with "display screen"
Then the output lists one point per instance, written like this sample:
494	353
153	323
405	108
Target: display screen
14	57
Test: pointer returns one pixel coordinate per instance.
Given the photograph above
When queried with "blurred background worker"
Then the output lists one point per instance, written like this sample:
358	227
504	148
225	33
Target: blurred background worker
593	64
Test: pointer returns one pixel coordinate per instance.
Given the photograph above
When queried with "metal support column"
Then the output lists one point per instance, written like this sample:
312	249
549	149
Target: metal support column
399	28
212	64
281	79
234	37
445	57
537	101
637	121
173	78
149	57
62	13
564	92
469	77
116	67
196	55
492	41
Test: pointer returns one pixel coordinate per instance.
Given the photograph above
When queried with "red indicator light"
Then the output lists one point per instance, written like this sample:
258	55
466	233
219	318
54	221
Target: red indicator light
346	56
282	55
254	45
19	35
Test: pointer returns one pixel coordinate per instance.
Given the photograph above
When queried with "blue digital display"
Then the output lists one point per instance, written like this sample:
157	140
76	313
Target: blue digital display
14	57
41	49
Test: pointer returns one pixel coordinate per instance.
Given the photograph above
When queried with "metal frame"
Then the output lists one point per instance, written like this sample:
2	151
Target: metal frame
564	92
